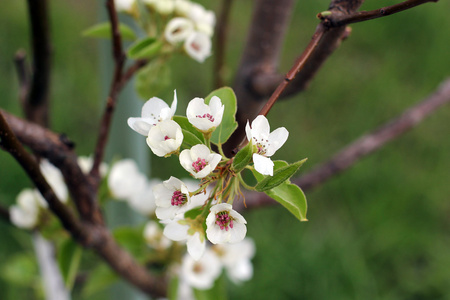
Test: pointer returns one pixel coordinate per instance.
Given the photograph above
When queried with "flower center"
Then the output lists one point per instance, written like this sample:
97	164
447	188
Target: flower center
199	164
178	198
261	146
206	116
224	221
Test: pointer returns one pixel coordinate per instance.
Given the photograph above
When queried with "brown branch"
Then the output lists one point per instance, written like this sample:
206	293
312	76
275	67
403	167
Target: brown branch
338	19
220	43
105	123
10	143
36	104
365	145
90	232
129	73
58	150
23	75
261	56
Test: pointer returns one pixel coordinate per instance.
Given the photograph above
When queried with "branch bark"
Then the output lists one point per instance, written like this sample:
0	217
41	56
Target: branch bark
37	100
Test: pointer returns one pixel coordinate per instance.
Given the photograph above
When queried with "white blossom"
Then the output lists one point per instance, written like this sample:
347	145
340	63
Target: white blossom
172	198
125	178
182	7
201	273
199	161
198	46
266	143
165	138
236	258
25	213
124	5
153	235
142	199
179	230
205	117
55	180
178	29
164	7
86	162
153	111
225	225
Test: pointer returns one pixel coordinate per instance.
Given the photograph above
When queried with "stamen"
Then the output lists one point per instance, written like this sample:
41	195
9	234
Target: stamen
224	221
199	164
166	138
178	198
206	116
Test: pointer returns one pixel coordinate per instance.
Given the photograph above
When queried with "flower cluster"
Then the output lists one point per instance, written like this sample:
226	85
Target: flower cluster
197	213
187	25
31	207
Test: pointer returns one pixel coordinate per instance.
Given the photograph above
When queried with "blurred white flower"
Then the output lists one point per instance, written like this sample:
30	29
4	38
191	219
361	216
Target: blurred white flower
178	230
124	5
205	117
154	110
201	273
164	7
55	180
236	259
266	143
153	235
178	29
198	46
199	161
85	163
26	212
225	225
172	198
182	7
142	200
125	178
165	138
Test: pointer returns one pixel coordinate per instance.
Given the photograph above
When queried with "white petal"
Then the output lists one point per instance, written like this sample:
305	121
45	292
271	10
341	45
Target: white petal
260	127
263	165
176	231
195	246
140	125
276	139
152	108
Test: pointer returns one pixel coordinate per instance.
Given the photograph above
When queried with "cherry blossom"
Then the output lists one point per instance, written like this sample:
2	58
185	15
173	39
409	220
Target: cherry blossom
199	161
265	143
201	273
205	117
178	29
153	111
181	230
225	225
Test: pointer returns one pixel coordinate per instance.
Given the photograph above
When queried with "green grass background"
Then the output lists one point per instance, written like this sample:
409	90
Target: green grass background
381	230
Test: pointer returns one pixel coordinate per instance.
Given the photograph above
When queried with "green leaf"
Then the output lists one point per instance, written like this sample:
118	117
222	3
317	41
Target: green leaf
20	269
242	158
292	198
191	136
99	279
103	30
145	48
280	175
152	79
228	124
69	257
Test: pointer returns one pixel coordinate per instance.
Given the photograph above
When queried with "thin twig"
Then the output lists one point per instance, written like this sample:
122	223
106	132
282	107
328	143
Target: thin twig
23	75
338	19
129	73
105	124
220	43
365	145
36	104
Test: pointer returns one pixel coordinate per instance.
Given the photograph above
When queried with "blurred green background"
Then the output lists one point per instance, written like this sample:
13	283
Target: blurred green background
381	230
